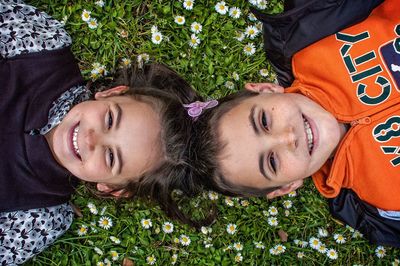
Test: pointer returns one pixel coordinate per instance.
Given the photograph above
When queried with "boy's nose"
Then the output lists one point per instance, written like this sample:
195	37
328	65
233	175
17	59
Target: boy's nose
287	138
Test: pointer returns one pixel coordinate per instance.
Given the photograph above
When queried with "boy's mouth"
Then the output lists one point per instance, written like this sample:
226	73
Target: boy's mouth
309	135
74	141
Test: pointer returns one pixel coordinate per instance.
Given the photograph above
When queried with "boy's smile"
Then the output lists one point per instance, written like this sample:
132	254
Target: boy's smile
273	139
110	140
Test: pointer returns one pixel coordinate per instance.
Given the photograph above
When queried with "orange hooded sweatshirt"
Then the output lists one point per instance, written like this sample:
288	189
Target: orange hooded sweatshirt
355	75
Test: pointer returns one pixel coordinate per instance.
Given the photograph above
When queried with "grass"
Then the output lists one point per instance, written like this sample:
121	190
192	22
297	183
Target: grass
216	67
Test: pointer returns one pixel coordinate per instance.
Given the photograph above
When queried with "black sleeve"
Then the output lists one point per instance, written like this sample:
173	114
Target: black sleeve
365	218
304	22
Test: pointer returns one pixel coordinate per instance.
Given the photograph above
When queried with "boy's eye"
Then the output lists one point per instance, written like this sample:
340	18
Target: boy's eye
111	157
272	162
264	121
110	120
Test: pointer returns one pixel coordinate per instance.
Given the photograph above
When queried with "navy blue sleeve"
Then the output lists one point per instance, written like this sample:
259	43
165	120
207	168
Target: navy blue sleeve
350	209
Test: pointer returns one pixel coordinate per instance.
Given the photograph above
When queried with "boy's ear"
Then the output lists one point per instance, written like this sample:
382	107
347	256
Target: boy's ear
111	92
107	189
264	87
285	189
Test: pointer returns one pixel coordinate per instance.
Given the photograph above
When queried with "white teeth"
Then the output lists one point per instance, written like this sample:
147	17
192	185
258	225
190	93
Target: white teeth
75	139
309	134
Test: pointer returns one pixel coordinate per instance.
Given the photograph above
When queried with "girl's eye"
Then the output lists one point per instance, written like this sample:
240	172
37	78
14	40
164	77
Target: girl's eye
264	121
110	120
272	162
111	157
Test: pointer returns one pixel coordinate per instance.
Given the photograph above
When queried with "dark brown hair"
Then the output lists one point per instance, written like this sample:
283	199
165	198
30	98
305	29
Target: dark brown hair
168	91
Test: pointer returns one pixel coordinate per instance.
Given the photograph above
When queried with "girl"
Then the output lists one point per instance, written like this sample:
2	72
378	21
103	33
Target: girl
338	122
127	139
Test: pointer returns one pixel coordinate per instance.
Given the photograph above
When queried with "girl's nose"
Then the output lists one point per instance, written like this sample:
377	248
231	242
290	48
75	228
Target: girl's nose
91	139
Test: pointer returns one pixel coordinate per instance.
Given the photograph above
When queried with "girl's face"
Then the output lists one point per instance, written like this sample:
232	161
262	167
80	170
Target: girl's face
275	138
109	140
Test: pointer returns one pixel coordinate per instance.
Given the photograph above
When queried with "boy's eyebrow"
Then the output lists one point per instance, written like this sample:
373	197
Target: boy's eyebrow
261	166
252	120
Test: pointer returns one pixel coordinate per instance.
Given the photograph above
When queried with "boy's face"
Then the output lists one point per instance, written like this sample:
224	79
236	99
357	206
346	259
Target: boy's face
110	140
276	139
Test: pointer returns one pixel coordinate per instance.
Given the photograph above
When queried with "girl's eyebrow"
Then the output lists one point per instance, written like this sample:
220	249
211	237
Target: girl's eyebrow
252	120
117	124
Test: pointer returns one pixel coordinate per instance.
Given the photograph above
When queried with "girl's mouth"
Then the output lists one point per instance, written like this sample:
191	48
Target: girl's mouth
74	141
309	135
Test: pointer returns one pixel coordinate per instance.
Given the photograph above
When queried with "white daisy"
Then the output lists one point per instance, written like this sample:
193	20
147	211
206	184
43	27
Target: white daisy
280	248
332	254
221	8
124	34
98	251
264	72
92	23
249	49
322	249
251	32
156	37
251	17
107	262
174	258
357	234
262	4
254	2
300	255
126	62
238	246
168	227
228	200
100	263
196	27
142	58
188	4
179	20
259	245
340	239
230	85
244	203
238	257
105	222
239	36
292	194
82	230
146	223
235	76
380	252
185	240
114	255
314	242
100	3
273	210
235	12
231	228
154	29
322	232
176	240
86	15
194	42
114	239
272	221
212	195
151	260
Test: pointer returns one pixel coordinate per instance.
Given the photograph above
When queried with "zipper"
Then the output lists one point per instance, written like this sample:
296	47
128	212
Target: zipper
362	121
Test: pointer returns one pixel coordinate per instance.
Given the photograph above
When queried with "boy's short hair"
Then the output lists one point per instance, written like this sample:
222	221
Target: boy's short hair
207	146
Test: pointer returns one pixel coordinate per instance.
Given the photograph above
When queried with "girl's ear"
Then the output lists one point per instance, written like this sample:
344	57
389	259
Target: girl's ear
264	87
105	188
111	92
285	189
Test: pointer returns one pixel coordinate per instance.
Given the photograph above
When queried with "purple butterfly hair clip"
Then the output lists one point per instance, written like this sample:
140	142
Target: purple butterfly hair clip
195	109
